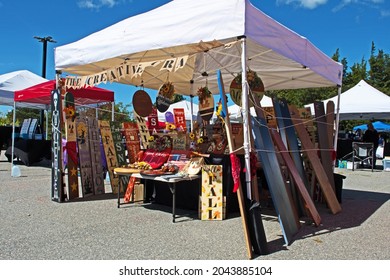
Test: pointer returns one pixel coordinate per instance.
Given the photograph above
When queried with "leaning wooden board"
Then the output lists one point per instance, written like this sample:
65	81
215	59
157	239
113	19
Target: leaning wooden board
240	193
110	152
120	152
84	155
71	151
96	156
309	204
311	152
323	140
287	213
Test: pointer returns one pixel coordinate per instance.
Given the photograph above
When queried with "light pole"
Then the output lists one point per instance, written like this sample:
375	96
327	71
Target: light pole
44	40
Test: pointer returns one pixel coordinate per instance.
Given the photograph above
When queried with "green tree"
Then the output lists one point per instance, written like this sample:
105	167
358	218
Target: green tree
122	112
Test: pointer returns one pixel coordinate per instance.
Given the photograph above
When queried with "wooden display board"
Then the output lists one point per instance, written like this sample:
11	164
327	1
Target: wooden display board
143	130
180	119
84	155
110	152
212	195
132	141
96	156
120	151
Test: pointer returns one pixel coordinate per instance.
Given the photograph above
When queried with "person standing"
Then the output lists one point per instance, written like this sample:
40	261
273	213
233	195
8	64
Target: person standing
371	136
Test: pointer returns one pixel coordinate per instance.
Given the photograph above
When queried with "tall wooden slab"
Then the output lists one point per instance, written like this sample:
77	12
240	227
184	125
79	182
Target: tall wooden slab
309	204
71	151
143	130
84	156
96	156
110	152
311	152
330	119
323	140
212	195
133	144
288	216
120	151
56	171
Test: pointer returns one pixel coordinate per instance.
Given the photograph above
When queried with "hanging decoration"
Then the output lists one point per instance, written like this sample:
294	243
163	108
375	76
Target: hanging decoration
165	96
255	83
206	103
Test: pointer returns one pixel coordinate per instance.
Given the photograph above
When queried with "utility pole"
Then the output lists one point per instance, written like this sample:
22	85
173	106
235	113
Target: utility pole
44	40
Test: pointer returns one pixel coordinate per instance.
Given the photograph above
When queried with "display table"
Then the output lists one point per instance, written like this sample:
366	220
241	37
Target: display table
167	180
29	151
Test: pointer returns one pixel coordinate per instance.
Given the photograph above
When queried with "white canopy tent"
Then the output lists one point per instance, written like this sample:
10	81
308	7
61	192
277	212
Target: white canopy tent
361	102
197	38
15	81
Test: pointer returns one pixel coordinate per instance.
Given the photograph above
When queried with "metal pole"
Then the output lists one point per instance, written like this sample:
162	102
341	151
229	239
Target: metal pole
245	117
13	136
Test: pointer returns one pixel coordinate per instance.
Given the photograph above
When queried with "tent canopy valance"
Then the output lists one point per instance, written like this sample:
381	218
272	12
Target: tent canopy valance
195	39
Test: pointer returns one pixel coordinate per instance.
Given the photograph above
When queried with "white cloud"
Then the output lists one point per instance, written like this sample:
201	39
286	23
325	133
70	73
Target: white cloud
375	4
96	4
309	4
385	13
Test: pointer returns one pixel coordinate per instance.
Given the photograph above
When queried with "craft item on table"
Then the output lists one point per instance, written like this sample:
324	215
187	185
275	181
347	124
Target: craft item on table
165	96
142	103
255	83
194	166
206	103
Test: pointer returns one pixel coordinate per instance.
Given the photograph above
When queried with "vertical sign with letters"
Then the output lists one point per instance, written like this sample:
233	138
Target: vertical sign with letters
56	181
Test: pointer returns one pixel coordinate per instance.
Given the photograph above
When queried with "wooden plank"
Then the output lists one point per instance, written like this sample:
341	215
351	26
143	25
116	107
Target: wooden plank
56	171
311	153
71	151
132	141
110	152
212	195
287	213
84	155
240	193
323	141
297	178
120	152
330	119
143	130
96	156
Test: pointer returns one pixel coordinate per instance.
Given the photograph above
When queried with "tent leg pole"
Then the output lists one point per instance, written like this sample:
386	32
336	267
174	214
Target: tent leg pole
337	120
245	118
13	136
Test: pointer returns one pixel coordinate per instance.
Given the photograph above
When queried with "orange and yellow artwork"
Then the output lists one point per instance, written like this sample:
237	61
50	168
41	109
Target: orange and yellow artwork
212	196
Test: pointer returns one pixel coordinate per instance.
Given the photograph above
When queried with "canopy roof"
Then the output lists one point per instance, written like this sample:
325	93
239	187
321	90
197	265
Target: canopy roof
378	125
14	81
361	102
208	33
41	94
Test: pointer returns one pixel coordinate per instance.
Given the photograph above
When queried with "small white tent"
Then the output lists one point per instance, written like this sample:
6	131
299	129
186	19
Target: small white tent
235	110
15	81
361	102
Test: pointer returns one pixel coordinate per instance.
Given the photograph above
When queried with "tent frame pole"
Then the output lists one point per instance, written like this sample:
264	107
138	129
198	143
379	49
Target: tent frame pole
245	117
13	136
337	119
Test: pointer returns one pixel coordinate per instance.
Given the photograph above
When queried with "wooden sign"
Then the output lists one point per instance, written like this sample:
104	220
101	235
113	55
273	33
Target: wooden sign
206	108
96	156
236	91
56	171
153	120
269	114
71	152
180	119
143	130
110	152
132	141
212	195
84	155
120	151
179	141
142	103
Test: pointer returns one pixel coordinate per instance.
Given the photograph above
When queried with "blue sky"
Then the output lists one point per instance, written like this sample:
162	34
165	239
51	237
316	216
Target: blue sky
350	25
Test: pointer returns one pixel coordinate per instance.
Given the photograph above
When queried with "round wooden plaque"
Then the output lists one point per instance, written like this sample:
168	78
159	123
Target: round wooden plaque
236	92
142	103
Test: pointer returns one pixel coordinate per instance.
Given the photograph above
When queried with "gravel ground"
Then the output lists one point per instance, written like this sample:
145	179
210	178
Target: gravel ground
35	228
